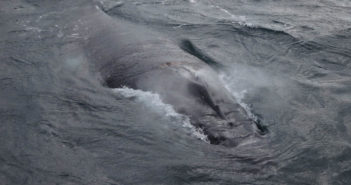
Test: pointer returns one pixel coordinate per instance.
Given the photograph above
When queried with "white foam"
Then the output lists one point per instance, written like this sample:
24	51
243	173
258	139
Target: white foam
239	19
154	102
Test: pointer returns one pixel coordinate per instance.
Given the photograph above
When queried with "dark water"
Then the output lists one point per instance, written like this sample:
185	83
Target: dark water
287	62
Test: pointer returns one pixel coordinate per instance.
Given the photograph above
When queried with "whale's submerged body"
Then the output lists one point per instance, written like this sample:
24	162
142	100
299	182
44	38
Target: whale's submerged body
125	54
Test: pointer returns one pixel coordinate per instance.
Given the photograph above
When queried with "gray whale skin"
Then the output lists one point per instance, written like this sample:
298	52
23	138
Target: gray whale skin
125	54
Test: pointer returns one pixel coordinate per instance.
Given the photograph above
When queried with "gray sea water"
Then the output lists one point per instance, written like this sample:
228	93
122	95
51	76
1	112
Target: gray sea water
288	63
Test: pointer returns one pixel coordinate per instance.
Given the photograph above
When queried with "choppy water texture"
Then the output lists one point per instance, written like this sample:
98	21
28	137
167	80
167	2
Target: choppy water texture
287	63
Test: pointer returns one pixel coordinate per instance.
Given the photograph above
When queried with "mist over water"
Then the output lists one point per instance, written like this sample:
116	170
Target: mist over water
286	62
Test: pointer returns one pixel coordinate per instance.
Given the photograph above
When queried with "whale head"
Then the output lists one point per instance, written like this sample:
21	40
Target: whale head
200	94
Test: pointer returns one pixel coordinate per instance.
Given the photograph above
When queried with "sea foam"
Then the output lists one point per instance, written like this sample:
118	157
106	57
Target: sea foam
154	102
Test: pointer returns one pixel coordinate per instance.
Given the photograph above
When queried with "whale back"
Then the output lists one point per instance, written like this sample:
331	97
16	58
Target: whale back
124	54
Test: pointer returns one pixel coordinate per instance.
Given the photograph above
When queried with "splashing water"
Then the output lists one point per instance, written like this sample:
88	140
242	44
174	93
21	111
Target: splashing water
238	95
154	102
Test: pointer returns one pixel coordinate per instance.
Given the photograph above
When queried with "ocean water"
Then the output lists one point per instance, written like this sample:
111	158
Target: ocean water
288	64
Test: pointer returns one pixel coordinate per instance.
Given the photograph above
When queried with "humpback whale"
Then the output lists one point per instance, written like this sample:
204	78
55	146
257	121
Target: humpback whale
127	54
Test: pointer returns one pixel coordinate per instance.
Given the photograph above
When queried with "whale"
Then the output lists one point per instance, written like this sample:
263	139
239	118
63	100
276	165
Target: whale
126	54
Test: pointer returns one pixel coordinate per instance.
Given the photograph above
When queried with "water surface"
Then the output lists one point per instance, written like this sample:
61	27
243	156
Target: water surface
287	63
